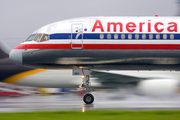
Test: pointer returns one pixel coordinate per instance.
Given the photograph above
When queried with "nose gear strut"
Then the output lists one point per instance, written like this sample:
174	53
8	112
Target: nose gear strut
86	85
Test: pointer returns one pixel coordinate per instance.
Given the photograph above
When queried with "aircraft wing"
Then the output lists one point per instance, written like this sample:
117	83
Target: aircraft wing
118	78
110	79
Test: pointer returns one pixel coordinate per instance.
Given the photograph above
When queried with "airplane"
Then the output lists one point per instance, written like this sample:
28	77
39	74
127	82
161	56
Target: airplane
102	43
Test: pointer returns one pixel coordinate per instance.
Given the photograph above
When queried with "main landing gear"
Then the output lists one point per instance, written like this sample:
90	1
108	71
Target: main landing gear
86	85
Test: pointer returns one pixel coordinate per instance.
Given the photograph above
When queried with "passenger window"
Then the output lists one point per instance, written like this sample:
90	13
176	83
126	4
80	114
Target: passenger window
101	36
150	36
171	36
31	37
45	37
115	36
157	36
122	36
38	37
137	36
129	36
164	36
143	36
109	36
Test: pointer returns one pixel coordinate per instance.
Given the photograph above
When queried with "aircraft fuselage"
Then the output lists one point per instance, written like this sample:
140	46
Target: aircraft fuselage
110	43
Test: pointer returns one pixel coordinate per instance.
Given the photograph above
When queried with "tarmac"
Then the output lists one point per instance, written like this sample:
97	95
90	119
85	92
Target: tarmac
103	100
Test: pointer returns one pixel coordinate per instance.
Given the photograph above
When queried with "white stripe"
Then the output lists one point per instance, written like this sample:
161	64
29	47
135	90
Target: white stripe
98	41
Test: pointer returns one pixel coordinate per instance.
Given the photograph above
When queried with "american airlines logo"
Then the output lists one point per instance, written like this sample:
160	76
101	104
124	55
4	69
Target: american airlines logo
131	26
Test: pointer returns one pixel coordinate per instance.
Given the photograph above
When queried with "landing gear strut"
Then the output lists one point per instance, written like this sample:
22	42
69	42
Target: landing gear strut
86	85
88	97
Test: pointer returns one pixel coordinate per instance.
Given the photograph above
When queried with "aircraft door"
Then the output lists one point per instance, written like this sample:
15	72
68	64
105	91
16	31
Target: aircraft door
77	36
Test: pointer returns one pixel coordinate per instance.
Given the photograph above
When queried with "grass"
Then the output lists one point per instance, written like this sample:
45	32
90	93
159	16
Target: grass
93	115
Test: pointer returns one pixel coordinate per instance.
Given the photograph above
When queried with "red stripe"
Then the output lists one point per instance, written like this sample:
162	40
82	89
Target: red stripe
100	46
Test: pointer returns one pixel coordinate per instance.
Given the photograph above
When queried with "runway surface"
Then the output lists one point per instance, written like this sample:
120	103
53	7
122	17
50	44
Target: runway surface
103	100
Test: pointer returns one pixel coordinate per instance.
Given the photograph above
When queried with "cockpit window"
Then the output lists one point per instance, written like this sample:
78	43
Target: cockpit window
45	37
31	37
38	37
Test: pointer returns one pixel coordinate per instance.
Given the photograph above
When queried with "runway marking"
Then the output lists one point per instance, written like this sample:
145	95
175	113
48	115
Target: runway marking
19	76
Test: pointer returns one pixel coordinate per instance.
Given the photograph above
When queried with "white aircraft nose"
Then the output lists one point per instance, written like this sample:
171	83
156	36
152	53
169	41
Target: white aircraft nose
16	56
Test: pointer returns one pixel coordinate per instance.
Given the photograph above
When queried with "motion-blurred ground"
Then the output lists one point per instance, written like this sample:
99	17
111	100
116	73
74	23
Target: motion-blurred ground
109	99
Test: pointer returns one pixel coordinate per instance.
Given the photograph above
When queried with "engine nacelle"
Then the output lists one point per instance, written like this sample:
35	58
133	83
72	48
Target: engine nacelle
158	87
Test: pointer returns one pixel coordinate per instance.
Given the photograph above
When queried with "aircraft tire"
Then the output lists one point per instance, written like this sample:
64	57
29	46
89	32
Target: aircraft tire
88	98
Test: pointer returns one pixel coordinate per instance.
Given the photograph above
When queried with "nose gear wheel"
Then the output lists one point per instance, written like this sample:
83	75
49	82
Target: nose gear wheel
88	98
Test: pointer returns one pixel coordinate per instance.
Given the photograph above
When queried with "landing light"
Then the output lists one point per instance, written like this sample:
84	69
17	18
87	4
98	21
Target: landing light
83	109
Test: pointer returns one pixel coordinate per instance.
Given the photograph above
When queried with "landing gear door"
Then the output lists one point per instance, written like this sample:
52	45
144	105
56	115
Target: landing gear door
77	36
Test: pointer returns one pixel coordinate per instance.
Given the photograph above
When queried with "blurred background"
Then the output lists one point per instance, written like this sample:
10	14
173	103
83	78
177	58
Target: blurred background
117	89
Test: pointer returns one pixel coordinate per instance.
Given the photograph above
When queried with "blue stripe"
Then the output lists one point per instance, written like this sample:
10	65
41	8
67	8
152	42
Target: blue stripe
60	36
97	36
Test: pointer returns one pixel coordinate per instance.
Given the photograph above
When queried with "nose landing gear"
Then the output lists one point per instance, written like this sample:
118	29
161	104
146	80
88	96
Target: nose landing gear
88	97
86	85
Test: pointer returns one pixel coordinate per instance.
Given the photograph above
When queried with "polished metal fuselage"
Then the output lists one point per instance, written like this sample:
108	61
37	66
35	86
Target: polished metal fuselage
103	59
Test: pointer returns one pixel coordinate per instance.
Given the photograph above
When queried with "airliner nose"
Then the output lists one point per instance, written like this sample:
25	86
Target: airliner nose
16	56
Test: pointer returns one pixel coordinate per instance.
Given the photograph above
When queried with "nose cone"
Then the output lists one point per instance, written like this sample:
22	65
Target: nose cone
16	56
